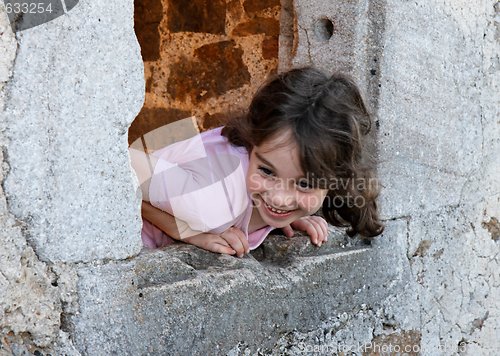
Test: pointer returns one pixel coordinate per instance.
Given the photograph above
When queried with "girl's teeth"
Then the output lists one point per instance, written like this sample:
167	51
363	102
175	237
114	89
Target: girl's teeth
276	210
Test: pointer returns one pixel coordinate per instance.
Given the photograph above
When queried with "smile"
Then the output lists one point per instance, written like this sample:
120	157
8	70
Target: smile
277	212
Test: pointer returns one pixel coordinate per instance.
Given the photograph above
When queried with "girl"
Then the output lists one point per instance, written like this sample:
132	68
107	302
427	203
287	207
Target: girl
298	149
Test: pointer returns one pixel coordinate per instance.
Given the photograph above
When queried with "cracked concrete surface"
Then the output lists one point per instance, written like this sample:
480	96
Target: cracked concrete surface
77	84
31	302
200	303
37	292
454	134
438	134
25	283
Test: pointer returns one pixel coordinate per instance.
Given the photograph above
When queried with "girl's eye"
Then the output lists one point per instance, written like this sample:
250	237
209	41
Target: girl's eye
304	185
266	171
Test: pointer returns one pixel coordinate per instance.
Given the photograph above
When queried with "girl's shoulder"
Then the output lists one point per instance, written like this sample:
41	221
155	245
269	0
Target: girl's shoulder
208	147
213	138
192	175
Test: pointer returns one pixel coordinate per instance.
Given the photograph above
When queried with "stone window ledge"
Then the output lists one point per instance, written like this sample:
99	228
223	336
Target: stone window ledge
185	299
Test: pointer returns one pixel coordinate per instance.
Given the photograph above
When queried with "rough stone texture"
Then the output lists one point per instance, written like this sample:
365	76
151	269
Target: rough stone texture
197	16
432	74
147	17
456	275
182	75
257	25
406	341
450	143
8	47
76	86
202	303
493	226
216	69
30	305
255	6
270	47
349	40
409	67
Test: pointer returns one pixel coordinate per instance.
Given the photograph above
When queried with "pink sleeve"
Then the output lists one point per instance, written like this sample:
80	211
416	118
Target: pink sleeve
152	237
257	237
198	184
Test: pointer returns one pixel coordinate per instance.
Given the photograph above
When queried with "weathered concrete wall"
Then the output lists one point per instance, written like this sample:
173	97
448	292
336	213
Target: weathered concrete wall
28	302
70	282
189	302
439	143
69	89
434	72
76	86
33	294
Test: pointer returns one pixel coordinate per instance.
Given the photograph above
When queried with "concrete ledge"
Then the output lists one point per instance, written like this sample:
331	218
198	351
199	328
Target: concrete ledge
183	300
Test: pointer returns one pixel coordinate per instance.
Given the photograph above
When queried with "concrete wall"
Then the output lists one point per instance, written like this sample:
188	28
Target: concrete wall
69	90
433	71
72	280
29	304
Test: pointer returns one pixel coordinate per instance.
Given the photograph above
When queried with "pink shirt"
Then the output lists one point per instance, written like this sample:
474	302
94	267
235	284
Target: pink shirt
202	181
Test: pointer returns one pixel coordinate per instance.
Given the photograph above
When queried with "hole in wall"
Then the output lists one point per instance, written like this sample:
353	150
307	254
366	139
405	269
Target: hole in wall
324	29
202	59
201	62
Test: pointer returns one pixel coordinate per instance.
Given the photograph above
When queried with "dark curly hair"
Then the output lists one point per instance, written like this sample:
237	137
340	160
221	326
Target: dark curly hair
328	119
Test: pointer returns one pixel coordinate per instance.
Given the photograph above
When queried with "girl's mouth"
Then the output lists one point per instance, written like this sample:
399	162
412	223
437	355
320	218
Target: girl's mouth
277	212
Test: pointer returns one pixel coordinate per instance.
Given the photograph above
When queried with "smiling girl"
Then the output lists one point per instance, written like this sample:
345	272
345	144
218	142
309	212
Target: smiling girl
292	154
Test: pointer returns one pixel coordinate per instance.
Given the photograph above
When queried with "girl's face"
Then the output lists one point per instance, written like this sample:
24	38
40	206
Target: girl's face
277	184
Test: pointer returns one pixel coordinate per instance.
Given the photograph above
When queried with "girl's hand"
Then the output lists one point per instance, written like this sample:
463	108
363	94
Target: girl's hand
315	226
232	242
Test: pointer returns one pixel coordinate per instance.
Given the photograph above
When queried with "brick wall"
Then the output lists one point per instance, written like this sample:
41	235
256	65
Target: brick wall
203	58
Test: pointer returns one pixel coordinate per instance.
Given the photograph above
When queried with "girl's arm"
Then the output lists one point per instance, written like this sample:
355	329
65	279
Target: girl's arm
173	227
232	241
142	164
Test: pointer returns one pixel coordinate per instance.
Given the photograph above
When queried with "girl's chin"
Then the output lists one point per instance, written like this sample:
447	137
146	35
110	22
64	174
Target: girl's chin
276	225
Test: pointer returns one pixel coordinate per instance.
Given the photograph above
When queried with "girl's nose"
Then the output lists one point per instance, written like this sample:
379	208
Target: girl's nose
283	198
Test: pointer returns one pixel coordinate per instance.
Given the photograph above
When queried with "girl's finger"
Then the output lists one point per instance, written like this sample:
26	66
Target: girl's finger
210	242
234	241
243	239
324	227
319	231
320	225
312	232
220	248
288	231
